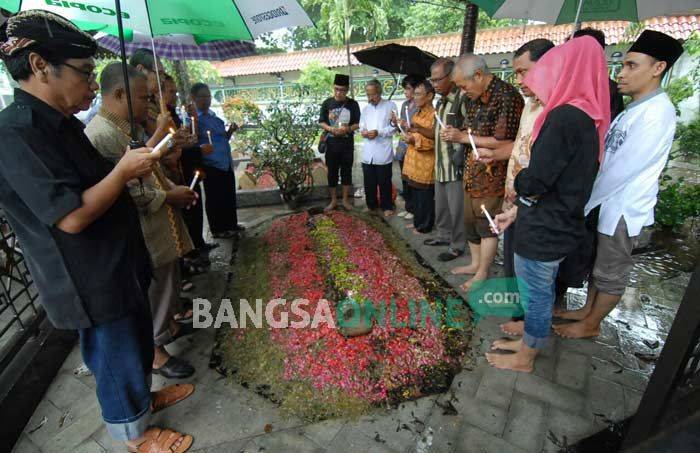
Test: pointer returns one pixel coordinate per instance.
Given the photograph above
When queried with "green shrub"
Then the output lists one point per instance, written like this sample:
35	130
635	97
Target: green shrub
677	203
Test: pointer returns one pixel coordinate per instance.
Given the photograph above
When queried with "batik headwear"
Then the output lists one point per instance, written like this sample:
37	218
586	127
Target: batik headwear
341	80
658	45
43	30
573	73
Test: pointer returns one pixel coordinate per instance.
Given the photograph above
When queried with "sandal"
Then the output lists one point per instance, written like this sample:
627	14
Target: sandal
169	396
163	441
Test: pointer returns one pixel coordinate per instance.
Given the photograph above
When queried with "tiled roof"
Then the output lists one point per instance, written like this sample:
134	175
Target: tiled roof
491	41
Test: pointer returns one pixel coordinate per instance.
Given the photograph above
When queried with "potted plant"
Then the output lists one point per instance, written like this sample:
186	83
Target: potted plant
282	145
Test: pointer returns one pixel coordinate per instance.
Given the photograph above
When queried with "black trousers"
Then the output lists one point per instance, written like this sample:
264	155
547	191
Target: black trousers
220	189
339	160
509	251
423	208
407	191
378	175
194	219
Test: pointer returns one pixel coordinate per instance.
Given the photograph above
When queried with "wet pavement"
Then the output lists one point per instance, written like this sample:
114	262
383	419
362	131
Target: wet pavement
577	388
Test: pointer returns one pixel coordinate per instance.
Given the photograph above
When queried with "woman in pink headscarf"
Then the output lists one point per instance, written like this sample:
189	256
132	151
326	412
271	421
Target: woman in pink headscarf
571	81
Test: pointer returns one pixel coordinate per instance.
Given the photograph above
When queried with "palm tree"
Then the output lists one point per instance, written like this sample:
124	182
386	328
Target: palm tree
471	17
346	16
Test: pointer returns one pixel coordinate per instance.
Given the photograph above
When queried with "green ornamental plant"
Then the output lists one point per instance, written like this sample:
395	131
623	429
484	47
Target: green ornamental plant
283	145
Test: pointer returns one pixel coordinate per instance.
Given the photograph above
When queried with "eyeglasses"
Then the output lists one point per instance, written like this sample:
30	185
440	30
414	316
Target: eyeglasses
90	75
434	81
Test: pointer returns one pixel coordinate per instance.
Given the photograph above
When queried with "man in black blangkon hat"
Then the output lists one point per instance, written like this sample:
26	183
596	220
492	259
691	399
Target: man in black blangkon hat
78	227
636	150
340	117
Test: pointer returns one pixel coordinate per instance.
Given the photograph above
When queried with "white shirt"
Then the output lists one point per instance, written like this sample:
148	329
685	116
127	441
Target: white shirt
378	151
636	151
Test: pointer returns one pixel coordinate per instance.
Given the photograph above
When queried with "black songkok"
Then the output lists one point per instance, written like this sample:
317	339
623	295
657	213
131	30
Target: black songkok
341	80
43	30
658	45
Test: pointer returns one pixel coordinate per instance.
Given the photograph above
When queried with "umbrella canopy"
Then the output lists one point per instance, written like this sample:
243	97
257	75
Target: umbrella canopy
180	47
204	20
567	11
397	59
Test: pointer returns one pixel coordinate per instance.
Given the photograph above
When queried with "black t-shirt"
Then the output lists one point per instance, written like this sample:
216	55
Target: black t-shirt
334	112
84	279
563	166
191	158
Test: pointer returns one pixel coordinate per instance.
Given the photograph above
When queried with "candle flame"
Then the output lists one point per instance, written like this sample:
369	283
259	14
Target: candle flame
470	131
172	131
483	207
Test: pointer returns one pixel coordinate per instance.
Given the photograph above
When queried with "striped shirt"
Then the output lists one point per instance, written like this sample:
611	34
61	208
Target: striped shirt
445	171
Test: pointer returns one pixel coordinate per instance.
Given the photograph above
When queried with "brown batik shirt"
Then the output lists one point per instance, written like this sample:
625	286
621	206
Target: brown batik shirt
495	114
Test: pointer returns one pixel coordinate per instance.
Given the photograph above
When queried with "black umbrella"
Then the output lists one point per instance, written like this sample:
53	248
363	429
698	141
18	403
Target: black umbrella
135	143
397	59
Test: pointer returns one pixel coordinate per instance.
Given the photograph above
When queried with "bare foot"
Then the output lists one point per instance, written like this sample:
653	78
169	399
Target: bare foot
513	327
573	315
469	269
418	232
388	213
513	362
466	286
410	226
347	206
506	344
578	329
331	207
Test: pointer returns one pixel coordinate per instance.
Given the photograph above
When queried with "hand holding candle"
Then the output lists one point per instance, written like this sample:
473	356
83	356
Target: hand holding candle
494	227
194	180
192	123
209	136
437	117
163	142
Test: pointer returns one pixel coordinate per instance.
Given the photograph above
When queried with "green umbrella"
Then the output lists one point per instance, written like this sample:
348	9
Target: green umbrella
568	11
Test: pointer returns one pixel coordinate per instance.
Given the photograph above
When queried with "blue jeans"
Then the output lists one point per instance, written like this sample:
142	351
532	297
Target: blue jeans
538	279
120	355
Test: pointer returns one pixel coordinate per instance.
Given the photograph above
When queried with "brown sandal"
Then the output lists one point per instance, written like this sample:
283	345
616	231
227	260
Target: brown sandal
163	441
169	396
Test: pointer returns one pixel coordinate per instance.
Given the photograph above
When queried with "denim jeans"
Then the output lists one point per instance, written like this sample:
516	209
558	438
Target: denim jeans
538	279
120	355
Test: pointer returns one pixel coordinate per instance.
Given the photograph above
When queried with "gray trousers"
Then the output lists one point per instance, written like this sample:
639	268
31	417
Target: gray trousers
449	213
164	294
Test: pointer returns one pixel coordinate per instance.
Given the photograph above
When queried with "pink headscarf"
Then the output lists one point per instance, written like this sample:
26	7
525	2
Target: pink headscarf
573	73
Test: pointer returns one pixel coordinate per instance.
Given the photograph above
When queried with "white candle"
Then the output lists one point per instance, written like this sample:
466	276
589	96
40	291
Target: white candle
183	115
471	140
398	123
163	142
408	119
209	135
437	117
488	217
194	180
192	122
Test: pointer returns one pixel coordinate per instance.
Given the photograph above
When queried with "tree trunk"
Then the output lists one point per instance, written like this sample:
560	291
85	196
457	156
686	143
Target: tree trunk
182	80
471	16
347	50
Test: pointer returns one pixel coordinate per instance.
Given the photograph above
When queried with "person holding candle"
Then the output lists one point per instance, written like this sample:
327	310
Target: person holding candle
571	82
377	152
449	165
625	190
419	163
158	202
493	115
220	181
78	227
144	61
402	122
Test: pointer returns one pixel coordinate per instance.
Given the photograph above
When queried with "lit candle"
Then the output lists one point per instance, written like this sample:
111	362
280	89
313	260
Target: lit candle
194	180
488	217
437	117
163	142
471	140
209	135
192	122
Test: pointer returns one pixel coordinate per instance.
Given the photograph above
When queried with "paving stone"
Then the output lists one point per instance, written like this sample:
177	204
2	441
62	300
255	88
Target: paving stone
605	400
102	437
66	389
78	432
285	441
323	432
474	440
544	366
24	445
496	386
89	446
351	440
445	428
615	373
549	392
572	370
236	446
467	381
632	400
39	436
526	422
481	414
567	428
